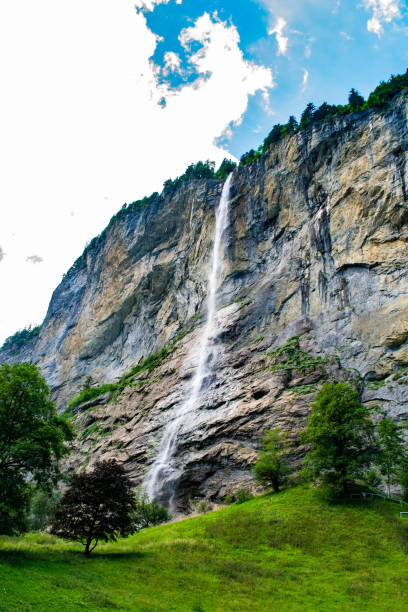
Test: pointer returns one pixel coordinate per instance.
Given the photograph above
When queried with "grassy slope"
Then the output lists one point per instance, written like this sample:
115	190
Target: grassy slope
289	551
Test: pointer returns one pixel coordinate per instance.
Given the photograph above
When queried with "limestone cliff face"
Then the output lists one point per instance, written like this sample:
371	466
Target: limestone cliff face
316	248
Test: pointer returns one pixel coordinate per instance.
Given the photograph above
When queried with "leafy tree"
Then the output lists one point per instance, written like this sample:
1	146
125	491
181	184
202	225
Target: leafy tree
307	115
98	505
355	99
41	508
248	158
148	513
272	467
292	125
324	111
32	440
227	166
391	451
274	136
341	435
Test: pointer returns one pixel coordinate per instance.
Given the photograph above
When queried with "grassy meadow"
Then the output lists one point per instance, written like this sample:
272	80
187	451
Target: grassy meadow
286	551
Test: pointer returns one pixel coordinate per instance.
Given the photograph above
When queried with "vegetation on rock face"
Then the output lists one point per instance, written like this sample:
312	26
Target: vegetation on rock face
97	506
32	441
288	551
21	337
149	363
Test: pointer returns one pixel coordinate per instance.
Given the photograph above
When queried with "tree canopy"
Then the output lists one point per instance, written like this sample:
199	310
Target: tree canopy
341	435
98	505
32	440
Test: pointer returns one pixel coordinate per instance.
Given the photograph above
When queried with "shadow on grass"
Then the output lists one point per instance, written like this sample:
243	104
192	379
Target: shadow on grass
19	558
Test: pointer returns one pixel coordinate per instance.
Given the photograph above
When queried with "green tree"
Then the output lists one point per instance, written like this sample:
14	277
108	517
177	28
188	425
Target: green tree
32	441
272	467
307	115
341	435
355	99
98	505
148	513
391	453
41	508
227	166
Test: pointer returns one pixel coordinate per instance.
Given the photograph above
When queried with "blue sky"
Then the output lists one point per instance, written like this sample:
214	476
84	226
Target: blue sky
102	101
327	40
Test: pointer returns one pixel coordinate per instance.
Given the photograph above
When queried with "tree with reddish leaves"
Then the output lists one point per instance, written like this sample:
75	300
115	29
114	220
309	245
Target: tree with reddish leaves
98	505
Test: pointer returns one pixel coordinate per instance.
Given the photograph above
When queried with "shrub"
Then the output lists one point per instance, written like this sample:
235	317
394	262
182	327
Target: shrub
272	467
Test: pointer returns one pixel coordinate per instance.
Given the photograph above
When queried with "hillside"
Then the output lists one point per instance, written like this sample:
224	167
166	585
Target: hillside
289	551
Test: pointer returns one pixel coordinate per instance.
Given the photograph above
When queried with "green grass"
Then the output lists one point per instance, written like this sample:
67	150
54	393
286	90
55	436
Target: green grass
285	552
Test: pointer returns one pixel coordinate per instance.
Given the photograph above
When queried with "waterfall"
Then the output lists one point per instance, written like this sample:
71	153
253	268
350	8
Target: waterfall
161	480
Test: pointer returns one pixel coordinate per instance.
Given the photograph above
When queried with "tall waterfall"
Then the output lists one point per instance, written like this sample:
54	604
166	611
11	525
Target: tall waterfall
161	480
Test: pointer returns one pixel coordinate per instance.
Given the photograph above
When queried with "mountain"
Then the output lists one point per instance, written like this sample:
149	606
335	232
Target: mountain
313	286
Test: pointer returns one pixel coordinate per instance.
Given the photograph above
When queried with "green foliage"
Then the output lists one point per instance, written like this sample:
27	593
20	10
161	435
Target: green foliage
290	356
289	551
242	495
227	166
149	363
97	506
202	170
355	100
88	394
391	453
341	436
307	115
42	506
32	440
148	513
272	467
21	337
386	91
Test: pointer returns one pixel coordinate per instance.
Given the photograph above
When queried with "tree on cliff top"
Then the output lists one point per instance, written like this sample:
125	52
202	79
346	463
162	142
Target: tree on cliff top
98	505
32	441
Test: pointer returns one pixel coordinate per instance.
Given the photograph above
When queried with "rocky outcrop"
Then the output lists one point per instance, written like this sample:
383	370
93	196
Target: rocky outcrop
316	248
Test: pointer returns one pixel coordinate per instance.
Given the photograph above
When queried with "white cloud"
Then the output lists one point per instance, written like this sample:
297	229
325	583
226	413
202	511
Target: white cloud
34	259
305	79
172	63
282	40
148	5
383	11
83	132
346	36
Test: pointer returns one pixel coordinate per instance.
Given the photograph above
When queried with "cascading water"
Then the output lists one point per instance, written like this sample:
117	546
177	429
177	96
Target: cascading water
161	480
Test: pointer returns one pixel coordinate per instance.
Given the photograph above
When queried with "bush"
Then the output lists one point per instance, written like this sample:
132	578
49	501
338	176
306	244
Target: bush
148	513
21	337
272	467
242	496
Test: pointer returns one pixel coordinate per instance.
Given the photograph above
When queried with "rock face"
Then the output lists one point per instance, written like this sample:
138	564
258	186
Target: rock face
316	248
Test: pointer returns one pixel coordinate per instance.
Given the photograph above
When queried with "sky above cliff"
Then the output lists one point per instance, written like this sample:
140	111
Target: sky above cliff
102	100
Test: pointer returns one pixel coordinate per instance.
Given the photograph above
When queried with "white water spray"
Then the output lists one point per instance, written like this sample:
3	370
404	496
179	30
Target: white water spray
162	478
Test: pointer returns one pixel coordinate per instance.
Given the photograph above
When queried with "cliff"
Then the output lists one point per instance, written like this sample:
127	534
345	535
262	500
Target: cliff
316	248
